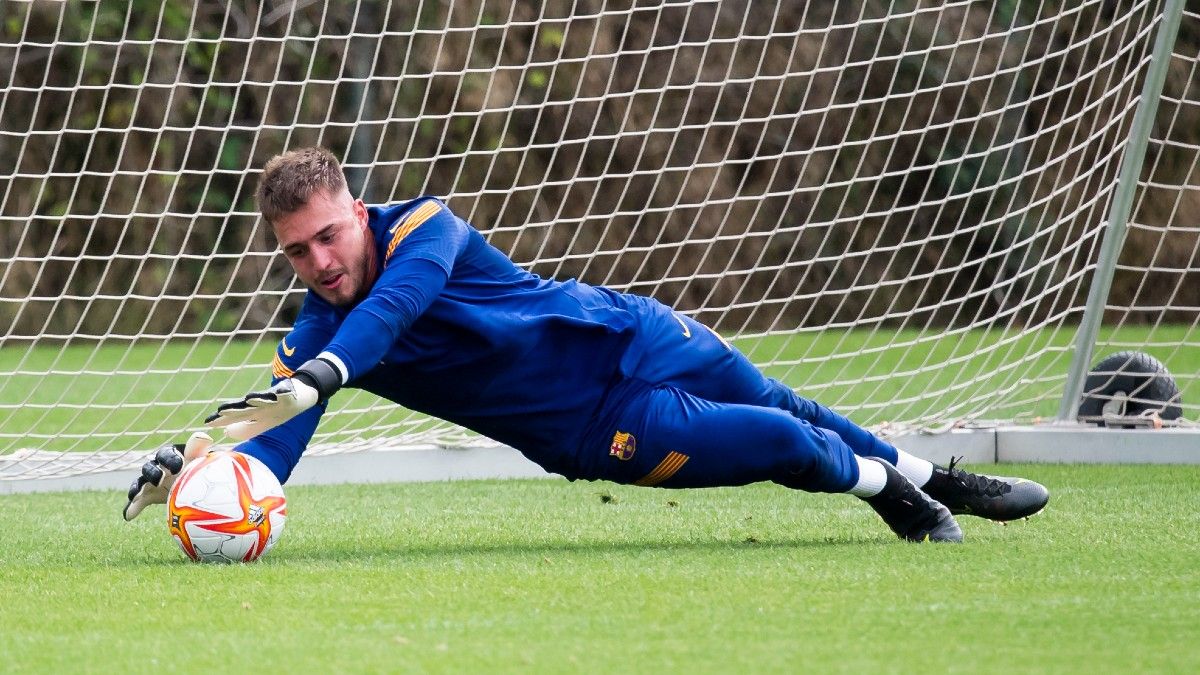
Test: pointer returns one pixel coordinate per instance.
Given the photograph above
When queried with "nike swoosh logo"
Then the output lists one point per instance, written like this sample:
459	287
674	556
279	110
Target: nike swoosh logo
287	352
687	332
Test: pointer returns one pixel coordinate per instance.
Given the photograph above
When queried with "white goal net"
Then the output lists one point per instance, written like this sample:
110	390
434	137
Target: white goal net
894	207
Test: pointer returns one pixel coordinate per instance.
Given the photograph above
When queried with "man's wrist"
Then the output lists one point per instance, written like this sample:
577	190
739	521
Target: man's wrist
320	374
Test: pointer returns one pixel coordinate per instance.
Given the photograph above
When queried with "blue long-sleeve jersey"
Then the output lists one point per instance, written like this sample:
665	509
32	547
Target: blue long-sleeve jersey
452	328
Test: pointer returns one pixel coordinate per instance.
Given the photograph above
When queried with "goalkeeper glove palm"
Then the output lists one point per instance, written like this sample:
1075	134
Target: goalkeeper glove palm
315	381
263	410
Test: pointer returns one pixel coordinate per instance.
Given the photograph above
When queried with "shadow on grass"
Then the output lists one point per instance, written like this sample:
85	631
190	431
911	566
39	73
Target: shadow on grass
547	551
375	552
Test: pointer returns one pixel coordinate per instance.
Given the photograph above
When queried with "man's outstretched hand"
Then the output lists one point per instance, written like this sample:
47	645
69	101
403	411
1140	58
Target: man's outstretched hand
263	410
315	381
159	474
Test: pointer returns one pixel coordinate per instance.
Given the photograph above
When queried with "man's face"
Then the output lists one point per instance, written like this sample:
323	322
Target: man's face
329	245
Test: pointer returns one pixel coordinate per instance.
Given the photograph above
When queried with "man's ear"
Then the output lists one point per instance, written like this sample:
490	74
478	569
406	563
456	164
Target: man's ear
360	212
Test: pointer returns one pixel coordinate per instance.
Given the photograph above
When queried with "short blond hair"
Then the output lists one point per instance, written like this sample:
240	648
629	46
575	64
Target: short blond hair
291	179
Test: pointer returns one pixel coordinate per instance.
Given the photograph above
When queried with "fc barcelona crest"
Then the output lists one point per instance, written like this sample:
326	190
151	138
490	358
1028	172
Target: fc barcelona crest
623	446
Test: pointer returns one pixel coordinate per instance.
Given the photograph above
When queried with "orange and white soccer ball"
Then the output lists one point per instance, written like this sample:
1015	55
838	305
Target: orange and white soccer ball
226	507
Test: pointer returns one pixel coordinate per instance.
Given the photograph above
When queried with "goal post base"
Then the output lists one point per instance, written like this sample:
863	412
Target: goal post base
1058	443
1064	444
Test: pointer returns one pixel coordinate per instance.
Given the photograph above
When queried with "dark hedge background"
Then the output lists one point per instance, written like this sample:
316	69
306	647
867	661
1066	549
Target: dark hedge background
776	166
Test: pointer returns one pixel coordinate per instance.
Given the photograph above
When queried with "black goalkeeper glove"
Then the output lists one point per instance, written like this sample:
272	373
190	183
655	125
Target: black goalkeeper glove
159	474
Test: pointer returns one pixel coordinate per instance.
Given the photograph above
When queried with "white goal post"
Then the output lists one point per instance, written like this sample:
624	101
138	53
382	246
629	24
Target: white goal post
929	216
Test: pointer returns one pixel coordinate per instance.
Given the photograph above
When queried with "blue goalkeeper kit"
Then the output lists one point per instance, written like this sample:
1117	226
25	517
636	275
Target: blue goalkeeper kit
587	382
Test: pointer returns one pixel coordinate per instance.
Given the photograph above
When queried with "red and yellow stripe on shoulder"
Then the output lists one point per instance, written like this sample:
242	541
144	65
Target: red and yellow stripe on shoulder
414	219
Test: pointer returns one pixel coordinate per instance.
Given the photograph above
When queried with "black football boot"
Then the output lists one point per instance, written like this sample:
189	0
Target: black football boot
910	513
992	497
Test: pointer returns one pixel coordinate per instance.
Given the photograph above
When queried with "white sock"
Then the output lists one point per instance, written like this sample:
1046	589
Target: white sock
914	468
871	478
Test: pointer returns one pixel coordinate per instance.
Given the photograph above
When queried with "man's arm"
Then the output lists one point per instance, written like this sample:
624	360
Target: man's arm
280	446
417	263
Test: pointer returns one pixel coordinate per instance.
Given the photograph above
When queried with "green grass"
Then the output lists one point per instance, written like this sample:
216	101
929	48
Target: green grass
875	376
548	576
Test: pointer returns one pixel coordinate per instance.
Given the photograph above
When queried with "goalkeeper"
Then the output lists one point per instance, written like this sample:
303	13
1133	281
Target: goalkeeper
411	303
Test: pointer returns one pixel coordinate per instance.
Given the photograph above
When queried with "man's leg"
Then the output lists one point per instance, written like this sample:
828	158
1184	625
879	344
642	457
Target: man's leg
665	437
690	356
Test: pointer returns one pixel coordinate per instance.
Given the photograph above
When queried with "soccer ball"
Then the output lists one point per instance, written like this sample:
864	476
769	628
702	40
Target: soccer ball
226	507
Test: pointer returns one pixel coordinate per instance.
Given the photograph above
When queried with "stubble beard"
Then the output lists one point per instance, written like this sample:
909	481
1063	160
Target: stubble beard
359	274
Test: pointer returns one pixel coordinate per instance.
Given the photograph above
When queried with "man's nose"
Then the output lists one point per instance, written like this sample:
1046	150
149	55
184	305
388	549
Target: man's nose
321	257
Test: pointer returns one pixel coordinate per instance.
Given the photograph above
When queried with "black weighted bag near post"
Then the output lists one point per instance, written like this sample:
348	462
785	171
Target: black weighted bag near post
1129	389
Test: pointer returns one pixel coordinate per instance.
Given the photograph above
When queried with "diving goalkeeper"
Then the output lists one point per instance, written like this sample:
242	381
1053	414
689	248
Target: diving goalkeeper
411	303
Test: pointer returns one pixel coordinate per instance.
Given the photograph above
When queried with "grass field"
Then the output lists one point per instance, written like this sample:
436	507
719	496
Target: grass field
546	575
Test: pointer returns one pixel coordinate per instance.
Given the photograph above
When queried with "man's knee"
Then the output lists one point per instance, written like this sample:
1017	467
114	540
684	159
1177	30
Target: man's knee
782	442
797	454
779	395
